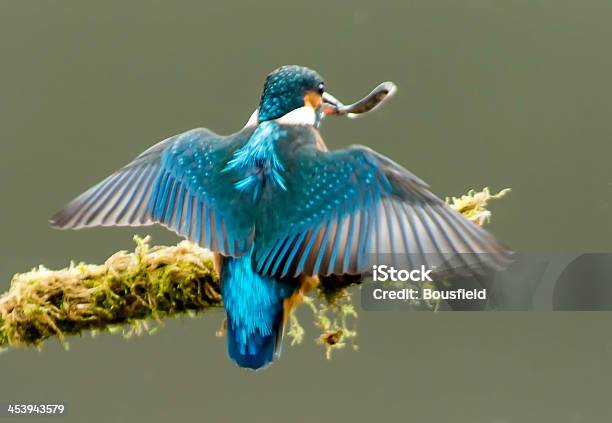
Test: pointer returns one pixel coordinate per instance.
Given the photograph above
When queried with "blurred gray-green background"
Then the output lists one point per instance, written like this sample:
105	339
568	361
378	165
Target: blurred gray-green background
498	93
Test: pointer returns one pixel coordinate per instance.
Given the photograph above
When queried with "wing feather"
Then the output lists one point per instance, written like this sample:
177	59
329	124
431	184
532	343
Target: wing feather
348	209
176	183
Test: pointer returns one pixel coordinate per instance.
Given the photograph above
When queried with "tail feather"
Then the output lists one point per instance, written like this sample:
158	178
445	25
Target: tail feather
254	351
255	314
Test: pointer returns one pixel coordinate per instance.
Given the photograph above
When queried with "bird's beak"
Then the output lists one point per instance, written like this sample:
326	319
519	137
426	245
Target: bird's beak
331	105
380	94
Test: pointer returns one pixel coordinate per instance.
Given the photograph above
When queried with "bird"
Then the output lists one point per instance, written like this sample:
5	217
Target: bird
279	210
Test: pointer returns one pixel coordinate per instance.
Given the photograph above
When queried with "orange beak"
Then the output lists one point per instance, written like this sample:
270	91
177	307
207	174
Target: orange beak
328	102
331	104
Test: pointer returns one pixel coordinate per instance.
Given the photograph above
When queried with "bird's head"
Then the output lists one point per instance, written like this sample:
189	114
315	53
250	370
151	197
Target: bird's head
292	88
296	94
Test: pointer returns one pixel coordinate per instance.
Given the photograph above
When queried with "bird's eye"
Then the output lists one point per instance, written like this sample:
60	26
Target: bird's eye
321	88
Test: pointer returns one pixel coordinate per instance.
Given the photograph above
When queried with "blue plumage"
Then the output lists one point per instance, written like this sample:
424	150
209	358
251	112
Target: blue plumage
257	160
278	207
254	305
284	91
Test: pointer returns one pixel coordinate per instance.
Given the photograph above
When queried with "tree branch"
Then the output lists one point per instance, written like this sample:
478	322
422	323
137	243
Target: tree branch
157	282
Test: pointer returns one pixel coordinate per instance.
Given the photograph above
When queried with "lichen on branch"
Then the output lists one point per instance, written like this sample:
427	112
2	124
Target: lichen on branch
131	288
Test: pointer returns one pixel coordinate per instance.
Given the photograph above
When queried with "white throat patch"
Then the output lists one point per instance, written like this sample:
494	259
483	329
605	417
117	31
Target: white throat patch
302	116
253	119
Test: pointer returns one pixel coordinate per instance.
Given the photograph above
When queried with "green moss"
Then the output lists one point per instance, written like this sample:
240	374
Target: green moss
128	289
131	291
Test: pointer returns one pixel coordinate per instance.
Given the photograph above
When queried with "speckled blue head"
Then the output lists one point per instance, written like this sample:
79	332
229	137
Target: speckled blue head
289	88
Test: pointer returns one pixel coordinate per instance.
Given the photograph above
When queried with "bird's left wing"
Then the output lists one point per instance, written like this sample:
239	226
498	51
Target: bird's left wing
344	210
178	183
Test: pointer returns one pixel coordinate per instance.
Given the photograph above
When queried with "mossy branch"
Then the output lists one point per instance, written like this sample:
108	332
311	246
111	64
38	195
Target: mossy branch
155	283
148	283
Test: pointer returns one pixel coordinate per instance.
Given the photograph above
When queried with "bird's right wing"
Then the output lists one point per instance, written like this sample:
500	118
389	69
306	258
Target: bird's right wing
177	183
345	210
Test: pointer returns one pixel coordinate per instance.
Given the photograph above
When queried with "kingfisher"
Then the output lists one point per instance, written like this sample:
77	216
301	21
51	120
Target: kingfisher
279	210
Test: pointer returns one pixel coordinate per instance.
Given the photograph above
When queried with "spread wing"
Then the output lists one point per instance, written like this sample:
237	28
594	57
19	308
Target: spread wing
345	210
177	183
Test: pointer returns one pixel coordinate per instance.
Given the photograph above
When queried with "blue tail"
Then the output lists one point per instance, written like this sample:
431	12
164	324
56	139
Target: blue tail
254	306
